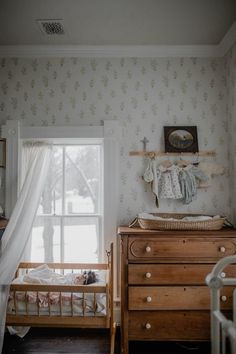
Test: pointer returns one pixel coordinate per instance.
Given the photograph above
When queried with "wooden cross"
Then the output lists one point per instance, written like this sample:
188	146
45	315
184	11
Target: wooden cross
144	141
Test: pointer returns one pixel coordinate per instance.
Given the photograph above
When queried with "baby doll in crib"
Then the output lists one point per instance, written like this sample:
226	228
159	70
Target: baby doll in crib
86	278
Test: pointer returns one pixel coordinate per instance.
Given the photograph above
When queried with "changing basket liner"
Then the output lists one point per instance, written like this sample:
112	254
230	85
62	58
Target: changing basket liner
178	221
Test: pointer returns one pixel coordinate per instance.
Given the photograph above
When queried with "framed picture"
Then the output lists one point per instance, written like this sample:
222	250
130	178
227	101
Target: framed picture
181	139
3	153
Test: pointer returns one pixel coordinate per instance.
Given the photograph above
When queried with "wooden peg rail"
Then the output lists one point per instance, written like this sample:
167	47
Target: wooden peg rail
160	153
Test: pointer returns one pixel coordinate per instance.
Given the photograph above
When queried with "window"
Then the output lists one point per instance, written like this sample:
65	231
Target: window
106	136
68	224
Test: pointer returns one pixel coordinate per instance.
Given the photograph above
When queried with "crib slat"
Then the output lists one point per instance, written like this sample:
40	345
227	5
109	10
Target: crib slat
14	299
60	303
37	303
71	304
94	304
49	304
108	311
83	304
223	343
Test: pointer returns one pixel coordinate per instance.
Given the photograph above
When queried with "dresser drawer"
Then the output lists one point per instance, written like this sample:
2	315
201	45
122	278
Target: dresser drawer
179	249
169	325
173	274
175	298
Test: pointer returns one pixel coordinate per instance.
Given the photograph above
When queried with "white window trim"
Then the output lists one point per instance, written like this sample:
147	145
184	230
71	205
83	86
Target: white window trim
14	133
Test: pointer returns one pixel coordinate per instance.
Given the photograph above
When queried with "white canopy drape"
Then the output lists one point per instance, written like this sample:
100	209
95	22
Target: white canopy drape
35	165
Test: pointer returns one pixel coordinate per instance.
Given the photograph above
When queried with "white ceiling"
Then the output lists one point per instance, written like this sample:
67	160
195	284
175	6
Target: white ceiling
118	22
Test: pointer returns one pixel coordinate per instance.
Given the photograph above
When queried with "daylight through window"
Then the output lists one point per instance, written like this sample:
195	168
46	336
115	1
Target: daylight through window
68	225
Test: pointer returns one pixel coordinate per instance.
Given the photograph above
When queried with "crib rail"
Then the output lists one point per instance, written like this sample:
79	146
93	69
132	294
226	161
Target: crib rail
223	330
32	265
59	288
25	267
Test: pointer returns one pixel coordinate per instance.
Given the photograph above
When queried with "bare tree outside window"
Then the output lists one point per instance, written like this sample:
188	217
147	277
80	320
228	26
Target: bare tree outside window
68	221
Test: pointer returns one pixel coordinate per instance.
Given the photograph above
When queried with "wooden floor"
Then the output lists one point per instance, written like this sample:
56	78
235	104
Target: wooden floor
81	341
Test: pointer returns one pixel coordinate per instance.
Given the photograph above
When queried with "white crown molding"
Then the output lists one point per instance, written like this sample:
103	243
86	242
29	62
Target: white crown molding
119	51
229	40
109	51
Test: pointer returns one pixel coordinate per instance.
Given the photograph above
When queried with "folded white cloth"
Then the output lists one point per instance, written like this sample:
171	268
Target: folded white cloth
186	218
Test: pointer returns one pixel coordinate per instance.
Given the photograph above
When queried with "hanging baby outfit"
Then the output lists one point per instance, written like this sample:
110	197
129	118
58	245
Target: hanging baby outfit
169	186
174	182
150	176
165	180
189	179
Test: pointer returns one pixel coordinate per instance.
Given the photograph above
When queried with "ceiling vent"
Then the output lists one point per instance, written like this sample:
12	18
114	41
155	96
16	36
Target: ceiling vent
51	27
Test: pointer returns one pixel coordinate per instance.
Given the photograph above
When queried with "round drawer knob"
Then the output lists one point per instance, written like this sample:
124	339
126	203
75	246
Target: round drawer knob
148	275
149	299
148	326
148	249
222	274
222	249
223	298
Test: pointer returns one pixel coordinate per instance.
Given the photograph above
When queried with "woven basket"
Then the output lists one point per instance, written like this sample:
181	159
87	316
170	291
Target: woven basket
212	224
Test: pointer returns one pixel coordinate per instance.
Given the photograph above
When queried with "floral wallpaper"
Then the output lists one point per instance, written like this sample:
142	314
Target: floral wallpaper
143	94
230	64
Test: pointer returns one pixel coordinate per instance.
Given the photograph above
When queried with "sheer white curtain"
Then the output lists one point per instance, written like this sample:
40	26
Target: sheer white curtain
36	158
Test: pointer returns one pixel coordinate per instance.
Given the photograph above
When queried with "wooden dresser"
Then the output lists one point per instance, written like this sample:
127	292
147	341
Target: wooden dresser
163	292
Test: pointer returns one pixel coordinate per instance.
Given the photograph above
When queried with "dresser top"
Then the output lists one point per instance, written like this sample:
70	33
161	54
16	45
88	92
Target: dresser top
126	230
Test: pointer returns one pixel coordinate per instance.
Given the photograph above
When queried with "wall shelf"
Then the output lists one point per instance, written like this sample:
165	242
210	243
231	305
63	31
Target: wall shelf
161	153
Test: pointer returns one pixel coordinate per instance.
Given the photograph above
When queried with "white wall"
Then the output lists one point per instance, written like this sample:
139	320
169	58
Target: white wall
143	95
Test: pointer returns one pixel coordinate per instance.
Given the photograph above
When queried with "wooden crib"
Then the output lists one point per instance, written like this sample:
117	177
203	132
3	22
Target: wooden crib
223	328
71	309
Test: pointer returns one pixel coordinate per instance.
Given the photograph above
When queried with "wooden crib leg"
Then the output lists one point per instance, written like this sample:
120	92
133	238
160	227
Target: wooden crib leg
112	338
